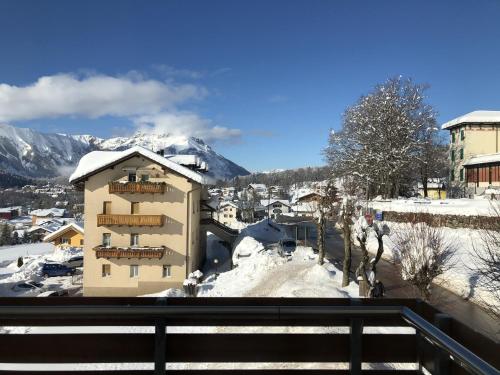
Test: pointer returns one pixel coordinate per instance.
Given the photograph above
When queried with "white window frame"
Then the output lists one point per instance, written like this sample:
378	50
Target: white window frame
108	236
166	271
134	239
134	270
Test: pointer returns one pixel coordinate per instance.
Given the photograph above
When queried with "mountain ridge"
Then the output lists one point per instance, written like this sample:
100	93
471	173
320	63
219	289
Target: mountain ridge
29	153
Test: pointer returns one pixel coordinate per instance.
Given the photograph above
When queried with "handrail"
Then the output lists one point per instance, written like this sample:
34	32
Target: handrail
460	354
209	220
220	314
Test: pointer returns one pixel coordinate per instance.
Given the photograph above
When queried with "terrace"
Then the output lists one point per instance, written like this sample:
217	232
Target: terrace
141	187
368	333
131	220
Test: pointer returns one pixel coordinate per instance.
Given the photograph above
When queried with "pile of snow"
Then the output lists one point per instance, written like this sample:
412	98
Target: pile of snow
172	292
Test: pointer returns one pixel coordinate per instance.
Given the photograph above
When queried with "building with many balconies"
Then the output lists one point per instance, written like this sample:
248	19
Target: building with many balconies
142	221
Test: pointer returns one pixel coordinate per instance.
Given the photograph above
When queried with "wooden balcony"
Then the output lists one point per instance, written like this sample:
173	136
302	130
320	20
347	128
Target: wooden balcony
116	187
131	220
129	252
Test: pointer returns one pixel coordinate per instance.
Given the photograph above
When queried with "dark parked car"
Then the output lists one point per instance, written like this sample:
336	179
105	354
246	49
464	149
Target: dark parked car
55	269
287	247
29	288
74	262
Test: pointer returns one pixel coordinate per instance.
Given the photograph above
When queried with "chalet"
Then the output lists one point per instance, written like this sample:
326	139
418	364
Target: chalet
42	215
483	173
71	234
275	207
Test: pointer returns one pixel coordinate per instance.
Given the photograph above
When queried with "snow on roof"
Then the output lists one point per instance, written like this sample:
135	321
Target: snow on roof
96	160
63	229
265	202
228	203
484	159
257	186
58	212
476	116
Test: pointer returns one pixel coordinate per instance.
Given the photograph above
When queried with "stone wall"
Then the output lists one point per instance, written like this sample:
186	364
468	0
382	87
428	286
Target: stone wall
451	221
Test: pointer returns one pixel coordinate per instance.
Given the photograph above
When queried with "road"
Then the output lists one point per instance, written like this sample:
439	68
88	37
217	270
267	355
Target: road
448	302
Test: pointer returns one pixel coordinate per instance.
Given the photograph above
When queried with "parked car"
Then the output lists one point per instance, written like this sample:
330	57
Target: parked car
287	246
55	269
28	288
74	262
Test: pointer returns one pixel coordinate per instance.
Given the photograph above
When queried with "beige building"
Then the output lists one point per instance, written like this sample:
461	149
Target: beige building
472	135
142	222
227	213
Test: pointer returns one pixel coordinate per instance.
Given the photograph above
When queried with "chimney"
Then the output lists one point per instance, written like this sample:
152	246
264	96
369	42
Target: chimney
161	152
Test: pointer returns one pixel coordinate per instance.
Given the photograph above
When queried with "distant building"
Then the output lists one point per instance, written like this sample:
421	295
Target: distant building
9	213
228	213
71	234
259	189
275	207
472	135
436	189
42	215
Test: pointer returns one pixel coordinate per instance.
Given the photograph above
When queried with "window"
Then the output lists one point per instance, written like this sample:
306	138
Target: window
461	174
134	239
134	270
106	208
225	215
106	270
144	177
452	155
452	177
166	272
462	135
106	239
65	240
134	208
132	176
81	242
461	154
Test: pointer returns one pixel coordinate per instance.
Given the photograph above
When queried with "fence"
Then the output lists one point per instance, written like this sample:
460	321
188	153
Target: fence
457	351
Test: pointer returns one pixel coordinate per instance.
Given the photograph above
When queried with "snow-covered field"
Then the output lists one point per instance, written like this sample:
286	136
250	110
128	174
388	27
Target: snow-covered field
468	207
13	252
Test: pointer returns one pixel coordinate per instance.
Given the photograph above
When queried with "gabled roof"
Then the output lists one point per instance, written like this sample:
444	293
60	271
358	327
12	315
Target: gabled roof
474	117
265	202
483	159
71	226
96	161
55	212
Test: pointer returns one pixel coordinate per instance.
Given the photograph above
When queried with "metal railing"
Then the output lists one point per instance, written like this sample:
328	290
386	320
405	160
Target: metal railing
212	313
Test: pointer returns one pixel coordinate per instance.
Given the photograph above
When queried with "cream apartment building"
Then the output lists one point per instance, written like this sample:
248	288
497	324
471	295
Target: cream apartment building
142	221
472	135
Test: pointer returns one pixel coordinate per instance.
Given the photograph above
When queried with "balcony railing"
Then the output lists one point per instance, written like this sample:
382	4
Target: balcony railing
136	187
131	220
129	252
437	342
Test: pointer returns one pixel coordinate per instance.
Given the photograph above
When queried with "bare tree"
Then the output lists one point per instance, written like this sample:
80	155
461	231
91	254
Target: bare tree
487	265
423	253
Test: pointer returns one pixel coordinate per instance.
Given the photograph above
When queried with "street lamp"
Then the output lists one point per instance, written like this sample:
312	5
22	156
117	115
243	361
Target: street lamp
216	263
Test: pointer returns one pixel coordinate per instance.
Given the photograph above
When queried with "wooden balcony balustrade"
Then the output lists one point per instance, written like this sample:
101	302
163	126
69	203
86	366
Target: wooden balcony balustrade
137	187
131	220
129	252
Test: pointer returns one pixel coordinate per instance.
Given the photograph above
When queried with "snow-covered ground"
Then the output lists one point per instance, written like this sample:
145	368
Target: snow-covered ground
11	274
468	207
13	252
461	278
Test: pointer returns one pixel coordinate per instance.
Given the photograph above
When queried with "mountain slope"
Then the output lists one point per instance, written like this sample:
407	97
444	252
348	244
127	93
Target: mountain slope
27	152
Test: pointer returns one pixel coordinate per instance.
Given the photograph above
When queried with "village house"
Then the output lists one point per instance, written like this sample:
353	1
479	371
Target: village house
436	189
71	234
228	213
275	207
42	215
472	136
258	189
9	213
142	221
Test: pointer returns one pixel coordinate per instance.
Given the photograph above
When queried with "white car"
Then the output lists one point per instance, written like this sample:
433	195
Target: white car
29	288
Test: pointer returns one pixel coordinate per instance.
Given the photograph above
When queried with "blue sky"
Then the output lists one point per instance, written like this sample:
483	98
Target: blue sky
263	81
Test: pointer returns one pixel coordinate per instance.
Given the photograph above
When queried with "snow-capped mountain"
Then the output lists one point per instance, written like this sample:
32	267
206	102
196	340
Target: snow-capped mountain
30	153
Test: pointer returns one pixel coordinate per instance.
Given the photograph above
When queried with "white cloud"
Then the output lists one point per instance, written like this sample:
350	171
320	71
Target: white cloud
92	96
151	105
185	123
